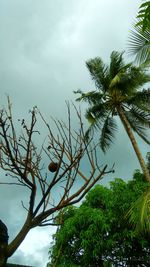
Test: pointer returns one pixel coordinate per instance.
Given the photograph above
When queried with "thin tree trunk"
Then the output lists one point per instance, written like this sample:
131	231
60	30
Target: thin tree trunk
3	254
134	143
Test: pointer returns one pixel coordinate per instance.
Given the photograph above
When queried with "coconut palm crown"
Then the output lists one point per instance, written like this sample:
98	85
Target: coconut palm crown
118	93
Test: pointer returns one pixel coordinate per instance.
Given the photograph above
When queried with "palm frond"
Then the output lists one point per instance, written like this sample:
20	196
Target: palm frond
89	133
115	81
129	79
100	110
141	98
139	213
126	77
120	75
91	97
90	117
107	133
116	63
144	15
139	44
132	80
141	116
95	115
99	73
137	127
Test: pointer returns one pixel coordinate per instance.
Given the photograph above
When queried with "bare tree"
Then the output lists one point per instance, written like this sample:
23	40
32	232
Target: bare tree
53	167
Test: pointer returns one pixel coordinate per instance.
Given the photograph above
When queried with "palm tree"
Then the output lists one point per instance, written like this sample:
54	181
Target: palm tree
118	94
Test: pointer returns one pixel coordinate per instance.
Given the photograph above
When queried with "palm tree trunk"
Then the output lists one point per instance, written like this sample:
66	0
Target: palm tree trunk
127	127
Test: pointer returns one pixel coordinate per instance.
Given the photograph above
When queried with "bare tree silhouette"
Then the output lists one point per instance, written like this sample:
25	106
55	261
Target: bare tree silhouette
24	163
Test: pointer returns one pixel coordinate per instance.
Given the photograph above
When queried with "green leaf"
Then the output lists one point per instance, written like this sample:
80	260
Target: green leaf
107	133
99	73
139	213
139	43
136	125
116	63
145	4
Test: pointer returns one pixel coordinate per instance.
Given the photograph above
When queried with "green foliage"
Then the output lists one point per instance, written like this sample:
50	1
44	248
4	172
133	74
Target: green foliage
98	233
139	213
141	219
144	15
139	42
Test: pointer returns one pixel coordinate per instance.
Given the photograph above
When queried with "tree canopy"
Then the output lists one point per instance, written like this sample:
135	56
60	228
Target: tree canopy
98	233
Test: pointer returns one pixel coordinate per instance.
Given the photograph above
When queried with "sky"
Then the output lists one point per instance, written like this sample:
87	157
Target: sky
43	49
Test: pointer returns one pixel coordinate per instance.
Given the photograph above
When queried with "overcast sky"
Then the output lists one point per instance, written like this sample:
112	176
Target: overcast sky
43	49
